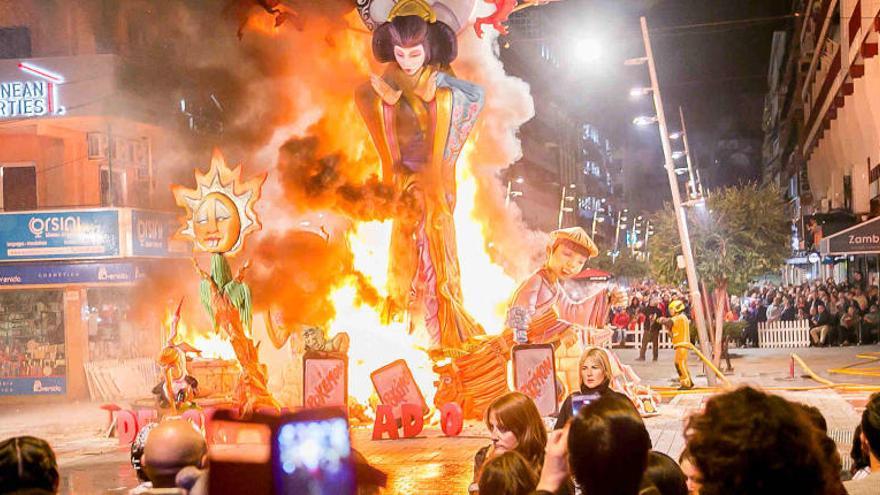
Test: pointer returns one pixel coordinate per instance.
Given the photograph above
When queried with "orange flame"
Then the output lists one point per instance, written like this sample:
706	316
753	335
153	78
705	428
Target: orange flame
211	345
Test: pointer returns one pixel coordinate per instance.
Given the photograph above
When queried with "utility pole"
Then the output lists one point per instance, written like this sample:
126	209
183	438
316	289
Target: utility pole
616	238
681	219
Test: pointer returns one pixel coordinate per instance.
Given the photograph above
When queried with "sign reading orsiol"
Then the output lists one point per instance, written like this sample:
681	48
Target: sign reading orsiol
151	233
59	235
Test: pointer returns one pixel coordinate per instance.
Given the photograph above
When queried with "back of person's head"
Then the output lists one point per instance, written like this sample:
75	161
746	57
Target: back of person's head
608	447
857	452
747	441
507	474
871	425
517	413
665	475
171	446
27	465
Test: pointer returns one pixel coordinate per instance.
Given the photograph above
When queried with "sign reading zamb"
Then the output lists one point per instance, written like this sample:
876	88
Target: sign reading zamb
36	96
861	238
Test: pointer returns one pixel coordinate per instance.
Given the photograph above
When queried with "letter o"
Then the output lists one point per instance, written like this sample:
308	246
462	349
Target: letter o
451	419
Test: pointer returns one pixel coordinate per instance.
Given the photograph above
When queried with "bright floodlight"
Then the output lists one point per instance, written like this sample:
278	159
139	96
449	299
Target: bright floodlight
519	180
677	155
675	135
681	171
587	50
635	61
639	92
643	120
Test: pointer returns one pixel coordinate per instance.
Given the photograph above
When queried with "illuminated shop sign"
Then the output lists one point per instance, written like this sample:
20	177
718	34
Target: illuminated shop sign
33	97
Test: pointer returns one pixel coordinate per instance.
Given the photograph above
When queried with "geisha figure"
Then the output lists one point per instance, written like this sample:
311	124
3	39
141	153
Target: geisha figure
419	117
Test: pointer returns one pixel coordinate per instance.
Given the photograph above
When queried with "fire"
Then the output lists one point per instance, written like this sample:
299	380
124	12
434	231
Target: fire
211	345
485	286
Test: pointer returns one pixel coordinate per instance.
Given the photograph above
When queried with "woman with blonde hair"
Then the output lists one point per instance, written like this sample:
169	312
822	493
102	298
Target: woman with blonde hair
596	376
514	425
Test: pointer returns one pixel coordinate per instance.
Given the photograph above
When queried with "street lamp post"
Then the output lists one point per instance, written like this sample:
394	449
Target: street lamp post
596	219
510	192
681	220
616	238
692	182
562	208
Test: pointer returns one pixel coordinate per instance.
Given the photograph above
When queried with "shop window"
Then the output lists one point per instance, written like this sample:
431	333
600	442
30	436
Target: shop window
112	333
19	188
15	42
31	336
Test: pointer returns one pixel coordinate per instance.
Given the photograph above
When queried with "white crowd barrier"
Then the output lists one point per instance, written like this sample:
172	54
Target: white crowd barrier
784	334
634	337
121	379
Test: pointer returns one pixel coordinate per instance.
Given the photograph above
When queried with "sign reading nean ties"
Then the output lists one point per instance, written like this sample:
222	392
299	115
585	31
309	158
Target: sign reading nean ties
59	235
33	97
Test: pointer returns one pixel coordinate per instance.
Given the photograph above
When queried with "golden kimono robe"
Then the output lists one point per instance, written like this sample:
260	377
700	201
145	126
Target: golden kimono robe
418	144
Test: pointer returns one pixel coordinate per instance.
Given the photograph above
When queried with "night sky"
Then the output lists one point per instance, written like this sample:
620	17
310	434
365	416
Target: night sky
717	73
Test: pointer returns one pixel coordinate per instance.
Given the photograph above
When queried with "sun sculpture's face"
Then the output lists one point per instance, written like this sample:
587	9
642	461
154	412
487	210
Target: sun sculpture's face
220	210
216	224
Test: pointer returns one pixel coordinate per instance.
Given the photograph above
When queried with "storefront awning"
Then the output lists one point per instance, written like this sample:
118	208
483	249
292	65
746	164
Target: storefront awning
863	238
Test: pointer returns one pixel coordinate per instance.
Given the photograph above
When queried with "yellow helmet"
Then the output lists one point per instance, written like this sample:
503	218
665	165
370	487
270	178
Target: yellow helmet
676	307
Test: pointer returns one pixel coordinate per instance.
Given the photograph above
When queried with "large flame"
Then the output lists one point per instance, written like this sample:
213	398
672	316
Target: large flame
211	345
373	345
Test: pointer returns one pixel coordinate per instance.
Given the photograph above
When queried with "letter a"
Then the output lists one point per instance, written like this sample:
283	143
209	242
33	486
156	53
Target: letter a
384	423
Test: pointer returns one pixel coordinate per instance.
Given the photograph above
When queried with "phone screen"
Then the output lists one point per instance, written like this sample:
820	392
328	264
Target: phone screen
314	457
581	400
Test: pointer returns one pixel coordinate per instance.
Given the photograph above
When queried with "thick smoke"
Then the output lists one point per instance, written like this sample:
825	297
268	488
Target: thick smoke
283	97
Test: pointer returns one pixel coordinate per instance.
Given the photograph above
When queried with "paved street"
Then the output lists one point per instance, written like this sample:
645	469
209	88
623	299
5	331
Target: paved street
434	464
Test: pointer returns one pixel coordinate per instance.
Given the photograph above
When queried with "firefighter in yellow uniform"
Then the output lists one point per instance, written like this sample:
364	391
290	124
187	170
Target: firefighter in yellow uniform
681	333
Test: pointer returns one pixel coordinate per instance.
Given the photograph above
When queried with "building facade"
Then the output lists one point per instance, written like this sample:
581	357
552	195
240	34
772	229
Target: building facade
80	218
822	128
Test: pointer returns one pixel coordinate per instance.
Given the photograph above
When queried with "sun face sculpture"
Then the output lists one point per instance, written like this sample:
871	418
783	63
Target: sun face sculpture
220	211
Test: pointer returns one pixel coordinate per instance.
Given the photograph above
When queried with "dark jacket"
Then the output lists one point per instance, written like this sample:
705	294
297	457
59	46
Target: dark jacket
565	412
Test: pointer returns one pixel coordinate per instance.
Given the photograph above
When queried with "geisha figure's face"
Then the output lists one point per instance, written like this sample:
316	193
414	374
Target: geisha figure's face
216	223
410	59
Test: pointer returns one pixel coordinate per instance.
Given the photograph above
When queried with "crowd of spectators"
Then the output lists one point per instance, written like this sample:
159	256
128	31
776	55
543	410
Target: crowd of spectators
845	313
839	313
743	441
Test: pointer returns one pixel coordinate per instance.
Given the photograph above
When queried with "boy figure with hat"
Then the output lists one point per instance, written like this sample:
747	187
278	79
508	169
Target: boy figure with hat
540	310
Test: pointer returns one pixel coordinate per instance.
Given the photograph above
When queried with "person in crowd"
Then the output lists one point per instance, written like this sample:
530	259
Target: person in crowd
691	473
849	326
652	330
750	442
664	474
789	313
870	424
750	332
829	447
514	424
595	381
28	467
620	322
604	448
774	310
820	325
871	324
171	446
507	474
